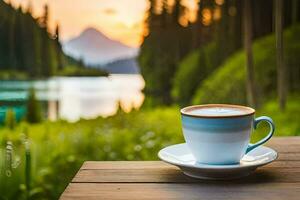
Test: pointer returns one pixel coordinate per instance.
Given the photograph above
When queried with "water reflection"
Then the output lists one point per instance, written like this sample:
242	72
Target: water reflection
72	98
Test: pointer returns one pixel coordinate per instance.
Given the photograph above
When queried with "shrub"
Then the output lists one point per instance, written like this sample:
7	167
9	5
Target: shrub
33	114
193	70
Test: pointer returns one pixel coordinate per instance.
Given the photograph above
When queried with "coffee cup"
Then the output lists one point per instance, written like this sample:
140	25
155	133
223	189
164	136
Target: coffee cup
219	134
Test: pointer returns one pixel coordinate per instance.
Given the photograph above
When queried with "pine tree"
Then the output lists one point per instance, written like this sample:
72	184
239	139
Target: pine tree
295	11
58	48
11	43
18	40
26	44
47	51
250	80
167	43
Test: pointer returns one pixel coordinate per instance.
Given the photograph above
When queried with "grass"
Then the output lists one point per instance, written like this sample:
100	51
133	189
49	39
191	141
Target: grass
45	156
58	149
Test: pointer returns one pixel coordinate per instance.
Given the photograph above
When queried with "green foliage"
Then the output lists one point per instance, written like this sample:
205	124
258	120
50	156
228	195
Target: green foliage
59	148
167	43
285	121
167	71
27	46
13	75
193	70
10	119
80	71
187	77
27	169
33	114
227	83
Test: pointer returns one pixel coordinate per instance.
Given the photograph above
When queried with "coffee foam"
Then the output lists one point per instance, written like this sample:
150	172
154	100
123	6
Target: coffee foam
217	110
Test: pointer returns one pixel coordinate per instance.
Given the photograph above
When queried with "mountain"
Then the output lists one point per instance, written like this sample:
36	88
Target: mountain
123	66
94	48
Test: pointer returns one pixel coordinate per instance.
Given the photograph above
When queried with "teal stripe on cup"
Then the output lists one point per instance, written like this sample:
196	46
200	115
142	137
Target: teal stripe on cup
221	139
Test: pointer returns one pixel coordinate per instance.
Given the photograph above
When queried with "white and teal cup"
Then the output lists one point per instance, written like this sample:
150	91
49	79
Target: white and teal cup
219	134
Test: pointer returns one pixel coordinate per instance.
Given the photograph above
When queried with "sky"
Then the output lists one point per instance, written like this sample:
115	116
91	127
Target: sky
121	20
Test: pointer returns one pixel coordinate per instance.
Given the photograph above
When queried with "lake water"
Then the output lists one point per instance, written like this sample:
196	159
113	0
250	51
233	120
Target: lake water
72	98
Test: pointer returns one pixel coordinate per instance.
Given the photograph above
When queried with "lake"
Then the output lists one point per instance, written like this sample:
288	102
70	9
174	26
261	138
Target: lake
72	98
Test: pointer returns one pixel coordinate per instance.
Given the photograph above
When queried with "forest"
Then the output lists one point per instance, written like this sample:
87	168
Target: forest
183	48
28	47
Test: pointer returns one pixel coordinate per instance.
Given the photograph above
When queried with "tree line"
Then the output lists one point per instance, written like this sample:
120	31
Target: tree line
219	29
27	44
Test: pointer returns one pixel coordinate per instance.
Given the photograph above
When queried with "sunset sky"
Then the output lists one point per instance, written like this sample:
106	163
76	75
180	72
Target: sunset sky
118	19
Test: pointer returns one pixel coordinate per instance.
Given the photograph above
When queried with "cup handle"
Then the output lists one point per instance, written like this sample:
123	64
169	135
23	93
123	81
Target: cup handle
265	139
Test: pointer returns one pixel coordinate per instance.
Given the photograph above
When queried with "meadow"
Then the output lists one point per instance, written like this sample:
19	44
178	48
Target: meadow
38	161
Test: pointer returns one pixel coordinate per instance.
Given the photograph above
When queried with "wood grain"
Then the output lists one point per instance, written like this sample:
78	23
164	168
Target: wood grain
133	191
158	180
174	175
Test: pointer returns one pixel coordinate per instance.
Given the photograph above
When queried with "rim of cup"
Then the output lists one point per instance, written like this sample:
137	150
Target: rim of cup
247	111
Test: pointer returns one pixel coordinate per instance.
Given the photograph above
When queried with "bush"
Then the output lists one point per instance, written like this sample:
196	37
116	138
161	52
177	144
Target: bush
193	70
227	83
34	113
187	77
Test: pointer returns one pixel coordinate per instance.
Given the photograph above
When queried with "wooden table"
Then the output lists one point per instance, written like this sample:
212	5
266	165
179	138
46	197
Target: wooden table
157	180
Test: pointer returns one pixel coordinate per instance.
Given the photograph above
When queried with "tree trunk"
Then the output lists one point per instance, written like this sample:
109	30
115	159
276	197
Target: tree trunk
281	71
295	11
250	80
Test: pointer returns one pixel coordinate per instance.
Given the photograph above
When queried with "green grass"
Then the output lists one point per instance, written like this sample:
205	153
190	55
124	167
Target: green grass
286	122
58	149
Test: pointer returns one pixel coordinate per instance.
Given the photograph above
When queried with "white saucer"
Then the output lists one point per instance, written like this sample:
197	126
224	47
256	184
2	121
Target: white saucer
181	156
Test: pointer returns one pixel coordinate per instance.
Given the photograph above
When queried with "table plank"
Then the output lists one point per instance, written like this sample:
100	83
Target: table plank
132	191
174	175
285	148
124	165
102	165
290	140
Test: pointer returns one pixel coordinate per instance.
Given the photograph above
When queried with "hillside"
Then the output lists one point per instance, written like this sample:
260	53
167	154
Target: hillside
28	49
123	66
227	83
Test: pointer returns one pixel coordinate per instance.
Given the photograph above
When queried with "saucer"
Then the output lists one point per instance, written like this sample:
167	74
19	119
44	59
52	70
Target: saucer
180	156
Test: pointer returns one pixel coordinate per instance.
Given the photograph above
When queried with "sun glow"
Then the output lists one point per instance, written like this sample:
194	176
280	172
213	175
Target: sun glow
122	20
